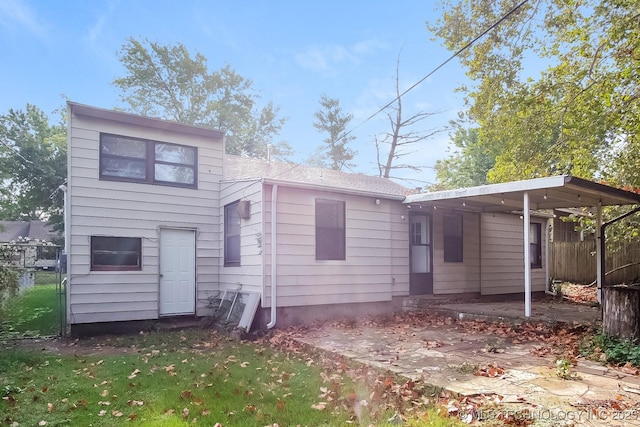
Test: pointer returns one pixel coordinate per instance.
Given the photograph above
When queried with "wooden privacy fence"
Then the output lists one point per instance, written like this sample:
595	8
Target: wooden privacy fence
576	262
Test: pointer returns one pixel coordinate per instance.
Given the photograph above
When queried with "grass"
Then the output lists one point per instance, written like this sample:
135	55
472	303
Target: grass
34	311
191	378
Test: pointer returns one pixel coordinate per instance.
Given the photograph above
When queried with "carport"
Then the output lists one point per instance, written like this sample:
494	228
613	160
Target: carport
538	195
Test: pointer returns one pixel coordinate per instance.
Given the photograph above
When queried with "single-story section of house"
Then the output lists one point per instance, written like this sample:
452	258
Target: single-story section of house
160	223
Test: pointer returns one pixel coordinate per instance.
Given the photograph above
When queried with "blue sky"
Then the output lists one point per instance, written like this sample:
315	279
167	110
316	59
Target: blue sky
293	51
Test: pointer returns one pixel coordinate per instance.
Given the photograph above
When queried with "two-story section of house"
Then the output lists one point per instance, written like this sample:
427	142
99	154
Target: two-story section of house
142	216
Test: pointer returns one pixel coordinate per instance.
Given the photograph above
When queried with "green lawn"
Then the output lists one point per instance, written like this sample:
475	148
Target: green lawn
33	312
198	378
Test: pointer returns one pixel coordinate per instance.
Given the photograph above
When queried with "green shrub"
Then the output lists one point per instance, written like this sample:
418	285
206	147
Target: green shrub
618	352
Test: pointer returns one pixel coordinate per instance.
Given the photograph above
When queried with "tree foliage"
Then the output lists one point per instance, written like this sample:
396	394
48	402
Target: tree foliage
330	119
33	164
554	89
468	165
168	82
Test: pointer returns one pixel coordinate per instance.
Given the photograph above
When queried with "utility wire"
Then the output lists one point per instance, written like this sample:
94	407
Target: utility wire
16	152
458	52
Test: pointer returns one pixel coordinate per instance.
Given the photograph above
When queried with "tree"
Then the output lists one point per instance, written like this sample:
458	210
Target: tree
168	82
33	164
401	135
555	86
334	154
468	165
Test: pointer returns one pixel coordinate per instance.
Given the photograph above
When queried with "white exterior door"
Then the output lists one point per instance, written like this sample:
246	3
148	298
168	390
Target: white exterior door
177	272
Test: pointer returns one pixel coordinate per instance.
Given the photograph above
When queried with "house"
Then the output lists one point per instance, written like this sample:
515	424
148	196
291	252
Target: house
160	222
31	242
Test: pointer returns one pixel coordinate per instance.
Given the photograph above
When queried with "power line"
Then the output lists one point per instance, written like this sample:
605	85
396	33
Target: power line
458	52
16	152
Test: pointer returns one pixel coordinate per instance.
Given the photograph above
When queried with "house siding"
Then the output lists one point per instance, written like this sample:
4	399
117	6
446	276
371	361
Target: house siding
376	265
457	277
249	273
503	255
124	209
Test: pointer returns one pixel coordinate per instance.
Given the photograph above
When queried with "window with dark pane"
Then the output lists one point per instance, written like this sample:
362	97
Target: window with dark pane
231	235
452	231
535	245
152	162
116	253
330	230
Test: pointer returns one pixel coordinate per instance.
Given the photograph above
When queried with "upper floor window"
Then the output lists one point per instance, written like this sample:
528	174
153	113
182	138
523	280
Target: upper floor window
330	230
452	231
535	244
231	235
153	162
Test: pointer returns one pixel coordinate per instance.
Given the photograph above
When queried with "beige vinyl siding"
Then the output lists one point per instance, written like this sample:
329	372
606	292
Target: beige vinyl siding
503	255
457	277
249	273
373	234
123	209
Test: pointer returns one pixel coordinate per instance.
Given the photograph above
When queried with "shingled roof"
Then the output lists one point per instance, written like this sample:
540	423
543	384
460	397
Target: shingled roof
11	230
237	168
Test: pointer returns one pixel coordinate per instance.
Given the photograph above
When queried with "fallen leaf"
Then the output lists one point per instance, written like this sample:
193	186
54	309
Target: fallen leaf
169	411
42	423
205	412
251	408
101	413
132	417
244	364
319	406
185	413
49	407
134	374
104	393
186	394
117	414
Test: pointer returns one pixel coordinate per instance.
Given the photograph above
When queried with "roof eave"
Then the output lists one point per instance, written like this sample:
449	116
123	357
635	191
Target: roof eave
83	110
308	186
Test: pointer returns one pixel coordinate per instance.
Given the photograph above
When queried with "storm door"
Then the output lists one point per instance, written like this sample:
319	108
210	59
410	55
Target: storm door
420	246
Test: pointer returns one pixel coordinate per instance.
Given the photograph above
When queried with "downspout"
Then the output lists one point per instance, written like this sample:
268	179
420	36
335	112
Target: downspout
274	241
547	257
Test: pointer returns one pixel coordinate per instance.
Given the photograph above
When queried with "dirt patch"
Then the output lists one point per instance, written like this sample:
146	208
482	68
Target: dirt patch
63	346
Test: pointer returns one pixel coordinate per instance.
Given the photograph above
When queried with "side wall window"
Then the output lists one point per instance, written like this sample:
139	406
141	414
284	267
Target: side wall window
330	230
116	253
231	235
535	245
152	162
452	232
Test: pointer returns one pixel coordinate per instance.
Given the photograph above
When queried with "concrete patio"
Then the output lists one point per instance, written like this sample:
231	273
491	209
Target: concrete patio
445	355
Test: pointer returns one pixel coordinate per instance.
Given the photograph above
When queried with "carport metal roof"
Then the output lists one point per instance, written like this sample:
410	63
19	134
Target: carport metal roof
535	194
544	193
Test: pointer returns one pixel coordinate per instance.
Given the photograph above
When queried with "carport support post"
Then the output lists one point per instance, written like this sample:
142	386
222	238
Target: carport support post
599	251
527	255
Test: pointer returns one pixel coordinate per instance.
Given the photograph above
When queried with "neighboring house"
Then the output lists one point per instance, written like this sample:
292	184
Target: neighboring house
31	242
160	222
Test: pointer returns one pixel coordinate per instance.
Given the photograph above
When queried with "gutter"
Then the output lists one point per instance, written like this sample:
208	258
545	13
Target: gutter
274	266
319	187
